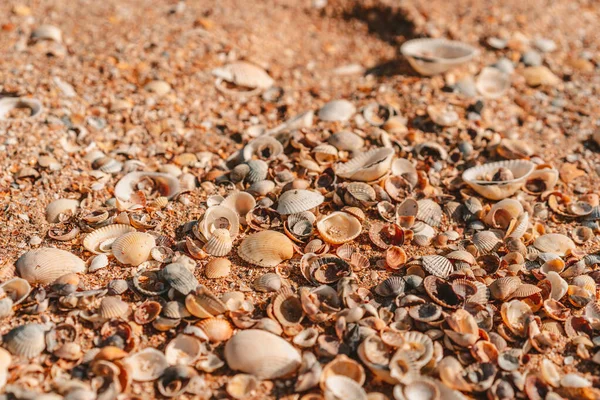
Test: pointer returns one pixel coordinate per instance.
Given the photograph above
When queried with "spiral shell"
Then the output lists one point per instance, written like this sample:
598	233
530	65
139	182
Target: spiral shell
45	265
266	248
133	248
368	166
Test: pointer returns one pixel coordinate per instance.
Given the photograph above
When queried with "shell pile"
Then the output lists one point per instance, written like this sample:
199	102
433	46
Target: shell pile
194	206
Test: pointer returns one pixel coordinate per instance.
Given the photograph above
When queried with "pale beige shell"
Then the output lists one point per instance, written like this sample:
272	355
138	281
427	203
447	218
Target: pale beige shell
158	87
244	74
46	264
339	227
216	329
10	103
554	243
26	341
437	265
436	56
269	282
47	32
113	307
514	314
217	268
60	206
202	303
167	185
101	240
241	386
492	83
240	202
558	286
486	242
502	288
266	248
262	354
298	200
183	350
133	248
442	115
17	289
475	177
219	244
501	213
263	147
346	141
336	110
344	366
429	212
367	166
146	365
339	387
287	307
219	217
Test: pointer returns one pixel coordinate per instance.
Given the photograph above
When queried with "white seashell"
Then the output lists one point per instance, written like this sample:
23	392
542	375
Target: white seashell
404	168
98	262
368	166
27	340
46	264
429	212
263	147
498	190
436	56
337	110
507	209
266	248
10	103
486	241
158	87
133	248
60	206
558	285
166	184
17	289
6	309
340	387
573	380
183	350
554	243
219	217
492	83
300	121
113	307
219	244
100	240
298	200
269	282
262	354
339	227
244	74
146	365
442	115
47	32
346	141
437	265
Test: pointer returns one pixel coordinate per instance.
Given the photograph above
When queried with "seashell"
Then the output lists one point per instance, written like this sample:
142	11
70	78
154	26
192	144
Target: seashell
325	153
6	309
437	265
395	257
337	110
387	211
8	104
58	207
262	354
482	178
113	307
217	268
525	290
219	244
241	386
133	248
46	264
503	288
386	235
420	389
404	168
146	365
219	217
543	178
492	83
257	171
147	312
559	286
346	141
47	32
377	114
98	262
554	243
436	56
244	74
240	202
339	227
429	212
430	149
442	115
582	234
514	149
216	329
178	379
297	201
359	193
514	314
503	212
100	240
340	387
367	166
202	303
269	282
179	277
158	87
287	307
26	341
306	338
441	292
261	188
324	269
266	248
17	289
486	242
262	147
390	287
183	350
463	256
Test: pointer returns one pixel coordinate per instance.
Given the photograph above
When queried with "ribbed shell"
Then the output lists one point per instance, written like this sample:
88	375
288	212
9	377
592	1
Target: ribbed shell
368	166
17	289
502	288
133	248
60	206
346	141
486	241
299	200
554	243
266	248
217	268
521	170
244	74
261	353
146	365
113	307
429	212
46	264
166	184
391	287
436	265
216	329
102	235
211	218
257	171
337	110
269	282
27	340
202	303
179	277
117	286
339	227
219	244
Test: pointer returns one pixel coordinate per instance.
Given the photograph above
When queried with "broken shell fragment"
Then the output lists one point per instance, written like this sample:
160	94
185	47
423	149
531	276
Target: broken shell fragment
59	207
167	185
368	166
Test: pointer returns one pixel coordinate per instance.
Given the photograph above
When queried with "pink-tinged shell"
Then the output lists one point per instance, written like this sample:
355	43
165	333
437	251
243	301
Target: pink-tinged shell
133	248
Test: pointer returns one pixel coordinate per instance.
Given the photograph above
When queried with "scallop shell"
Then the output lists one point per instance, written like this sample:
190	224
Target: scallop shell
262	147
183	350
503	288
337	110
266	248
100	240
219	217
297	201
217	268
146	365
46	264
262	354
367	166
219	244
60	206
133	248
17	289
436	56
216	329
498	190
555	243
27	340
492	83
10	103
346	141
244	74
390	287
340	387
339	227
113	307
269	282
167	185
429	212
486	242
437	265
179	277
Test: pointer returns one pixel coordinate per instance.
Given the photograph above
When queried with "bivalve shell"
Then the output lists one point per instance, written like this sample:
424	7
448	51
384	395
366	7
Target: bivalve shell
368	166
59	207
216	329
219	244
437	265
133	248
167	185
346	141
340	387
269	282
183	350
146	365
26	340
339	227
101	240
554	243
45	265
436	56
179	277
244	74
217	268
297	201
113	307
429	212
337	110
266	248
492	83
488	182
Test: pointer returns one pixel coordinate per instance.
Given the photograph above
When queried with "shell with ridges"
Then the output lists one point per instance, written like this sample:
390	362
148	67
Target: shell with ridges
183	350
96	241
45	265
266	248
133	248
26	340
368	166
179	277
437	265
298	200
554	243
216	329
429	212
346	141
113	307
269	282
217	268
219	244
498	190
219	217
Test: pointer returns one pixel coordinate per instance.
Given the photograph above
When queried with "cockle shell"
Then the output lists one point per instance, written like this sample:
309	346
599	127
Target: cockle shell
101	240
339	227
216	329
404	168
269	282
219	217
429	212
183	350
266	248
299	200
146	365
503	288
217	268
26	340
219	244
202	303
244	74
133	248
486	241
179	277
261	353
167	185
554	243
346	141
58	207
337	110
46	264
113	307
436	56
492	83
367	166
10	103
437	265
498	190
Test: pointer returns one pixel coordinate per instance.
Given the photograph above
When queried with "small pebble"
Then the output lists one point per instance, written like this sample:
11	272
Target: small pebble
532	58
545	45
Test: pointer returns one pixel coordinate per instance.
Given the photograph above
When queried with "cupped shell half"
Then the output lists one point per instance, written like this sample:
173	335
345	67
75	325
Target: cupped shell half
483	179
133	248
339	227
492	83
46	264
266	248
167	185
436	56
297	201
368	166
337	110
146	365
26	340
101	240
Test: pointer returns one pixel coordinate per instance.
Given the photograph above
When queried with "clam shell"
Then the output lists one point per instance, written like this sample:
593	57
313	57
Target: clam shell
244	74
216	329
437	265
240	202
146	365
58	207
492	83
98	262
26	341
436	56
486	242
346	141
179	277
297	201
269	282
521	169
501	213
219	244
113	307
219	217
554	243
167	185
262	147
404	168
10	103
202	303
287	307
342	365
266	248
262	354
429	212
339	387
367	166
558	286
503	288
183	350
337	110
339	227
217	268
133	248
17	289
97	241
46	264
257	171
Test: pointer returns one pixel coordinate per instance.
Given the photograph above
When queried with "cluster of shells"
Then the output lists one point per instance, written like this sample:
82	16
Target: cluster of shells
473	293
